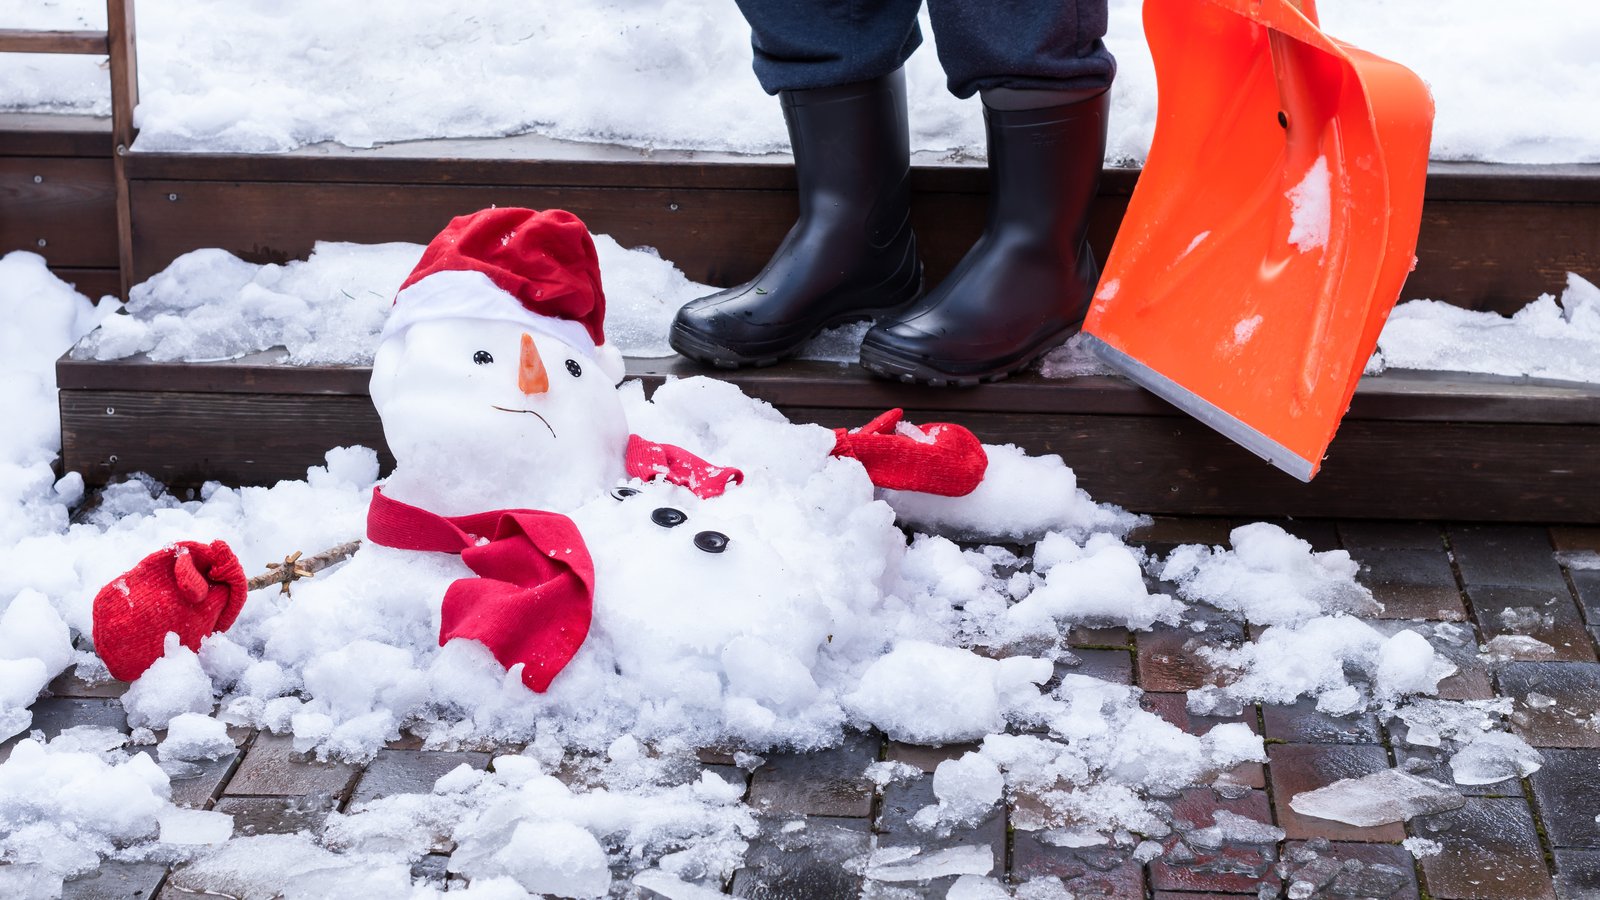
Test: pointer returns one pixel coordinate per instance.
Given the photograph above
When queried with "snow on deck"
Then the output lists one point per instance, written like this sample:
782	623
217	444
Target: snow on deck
1511	82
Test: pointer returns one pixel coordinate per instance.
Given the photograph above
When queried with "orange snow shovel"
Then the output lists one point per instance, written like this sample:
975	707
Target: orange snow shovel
1272	227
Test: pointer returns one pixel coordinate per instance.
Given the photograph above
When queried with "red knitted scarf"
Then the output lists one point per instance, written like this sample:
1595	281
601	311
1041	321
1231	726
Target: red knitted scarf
533	597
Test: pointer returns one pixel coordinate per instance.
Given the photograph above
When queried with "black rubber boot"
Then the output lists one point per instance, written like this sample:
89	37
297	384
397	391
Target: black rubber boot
850	256
1025	286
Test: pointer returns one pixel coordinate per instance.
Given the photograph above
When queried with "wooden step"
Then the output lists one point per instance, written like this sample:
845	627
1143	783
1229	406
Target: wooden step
1415	445
57	196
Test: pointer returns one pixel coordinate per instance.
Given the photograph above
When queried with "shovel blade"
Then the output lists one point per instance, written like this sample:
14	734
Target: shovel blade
1272	227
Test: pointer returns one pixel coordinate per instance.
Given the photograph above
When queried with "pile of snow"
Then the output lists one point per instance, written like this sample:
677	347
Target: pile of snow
1269	577
1545	339
1099	582
211	305
1100	757
1021	498
175	685
35	646
927	694
516	829
254	75
330	308
1345	664
44	317
68	804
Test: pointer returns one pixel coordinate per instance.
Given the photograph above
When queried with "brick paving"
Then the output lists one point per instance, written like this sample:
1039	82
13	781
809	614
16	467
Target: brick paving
1521	839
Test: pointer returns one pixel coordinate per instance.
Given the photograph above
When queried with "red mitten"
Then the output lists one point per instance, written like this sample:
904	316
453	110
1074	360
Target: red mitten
192	589
649	460
947	459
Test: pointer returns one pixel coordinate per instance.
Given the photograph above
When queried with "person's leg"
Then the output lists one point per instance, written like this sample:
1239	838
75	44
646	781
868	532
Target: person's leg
851	254
1025	286
801	44
1022	44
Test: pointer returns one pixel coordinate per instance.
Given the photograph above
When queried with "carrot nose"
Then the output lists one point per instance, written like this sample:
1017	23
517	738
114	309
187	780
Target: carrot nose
531	376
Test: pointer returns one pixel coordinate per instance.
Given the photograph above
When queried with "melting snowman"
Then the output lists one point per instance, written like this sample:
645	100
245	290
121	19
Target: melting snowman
575	551
498	392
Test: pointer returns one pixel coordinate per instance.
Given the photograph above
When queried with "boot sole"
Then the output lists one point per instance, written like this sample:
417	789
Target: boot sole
899	367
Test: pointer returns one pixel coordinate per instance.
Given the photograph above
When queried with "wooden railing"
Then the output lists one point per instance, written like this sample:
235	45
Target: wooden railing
117	43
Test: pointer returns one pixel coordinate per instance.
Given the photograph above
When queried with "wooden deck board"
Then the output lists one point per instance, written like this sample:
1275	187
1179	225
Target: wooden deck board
1415	445
1398	395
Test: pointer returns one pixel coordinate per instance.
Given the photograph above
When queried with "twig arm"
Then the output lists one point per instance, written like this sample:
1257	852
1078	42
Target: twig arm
293	568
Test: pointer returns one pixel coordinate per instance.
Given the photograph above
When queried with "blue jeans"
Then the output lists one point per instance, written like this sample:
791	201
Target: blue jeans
1022	44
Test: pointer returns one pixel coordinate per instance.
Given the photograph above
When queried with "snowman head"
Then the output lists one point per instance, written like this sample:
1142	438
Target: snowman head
493	379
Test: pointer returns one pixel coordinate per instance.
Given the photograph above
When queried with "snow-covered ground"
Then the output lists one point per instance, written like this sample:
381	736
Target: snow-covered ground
1512	81
352	658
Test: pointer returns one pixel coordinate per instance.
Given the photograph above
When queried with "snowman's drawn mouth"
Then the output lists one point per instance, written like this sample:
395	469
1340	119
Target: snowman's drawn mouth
531	413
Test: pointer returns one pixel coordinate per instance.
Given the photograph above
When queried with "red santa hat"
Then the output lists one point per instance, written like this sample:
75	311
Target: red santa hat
537	269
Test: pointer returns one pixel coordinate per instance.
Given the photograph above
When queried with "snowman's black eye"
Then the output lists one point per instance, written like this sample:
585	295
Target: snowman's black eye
482	358
711	541
623	493
574	369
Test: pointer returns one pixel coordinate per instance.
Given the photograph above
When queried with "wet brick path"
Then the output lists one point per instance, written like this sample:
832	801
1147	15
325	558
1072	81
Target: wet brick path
1534	838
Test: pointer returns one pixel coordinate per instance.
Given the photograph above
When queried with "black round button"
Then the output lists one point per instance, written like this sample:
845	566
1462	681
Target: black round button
711	541
623	493
667	517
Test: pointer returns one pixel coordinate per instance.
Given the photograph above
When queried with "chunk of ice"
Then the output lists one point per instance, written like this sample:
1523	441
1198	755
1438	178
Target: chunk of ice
192	736
672	887
555	858
1231	828
1377	799
896	864
1504	647
1420	847
967	787
194	826
1492	757
976	887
